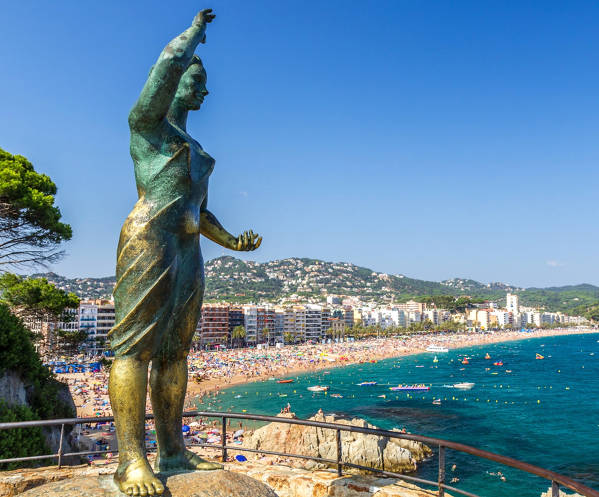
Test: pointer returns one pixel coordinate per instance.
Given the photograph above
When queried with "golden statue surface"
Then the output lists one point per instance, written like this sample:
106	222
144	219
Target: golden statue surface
160	271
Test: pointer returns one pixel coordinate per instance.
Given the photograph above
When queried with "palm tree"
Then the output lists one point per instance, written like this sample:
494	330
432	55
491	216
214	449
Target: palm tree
238	334
265	335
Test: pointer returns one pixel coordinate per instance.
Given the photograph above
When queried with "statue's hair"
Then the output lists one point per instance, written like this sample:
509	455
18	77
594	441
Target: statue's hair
195	60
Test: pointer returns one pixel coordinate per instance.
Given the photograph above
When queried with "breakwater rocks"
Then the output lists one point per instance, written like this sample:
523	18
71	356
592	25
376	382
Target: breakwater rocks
396	455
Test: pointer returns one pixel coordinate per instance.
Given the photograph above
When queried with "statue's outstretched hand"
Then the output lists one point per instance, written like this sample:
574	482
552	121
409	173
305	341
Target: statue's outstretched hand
248	241
202	18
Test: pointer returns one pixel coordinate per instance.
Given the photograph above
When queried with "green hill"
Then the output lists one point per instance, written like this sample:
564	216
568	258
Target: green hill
234	280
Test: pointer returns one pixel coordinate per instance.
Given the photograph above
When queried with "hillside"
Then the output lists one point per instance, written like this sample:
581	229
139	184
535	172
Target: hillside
231	279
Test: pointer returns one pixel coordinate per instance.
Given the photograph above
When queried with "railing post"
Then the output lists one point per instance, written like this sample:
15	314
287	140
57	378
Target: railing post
554	489
60	446
223	439
339	465
441	480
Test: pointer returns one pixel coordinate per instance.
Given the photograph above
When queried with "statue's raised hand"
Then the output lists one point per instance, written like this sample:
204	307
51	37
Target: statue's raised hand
202	18
248	241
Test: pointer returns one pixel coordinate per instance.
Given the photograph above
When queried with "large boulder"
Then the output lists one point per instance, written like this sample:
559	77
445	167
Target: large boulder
373	451
190	484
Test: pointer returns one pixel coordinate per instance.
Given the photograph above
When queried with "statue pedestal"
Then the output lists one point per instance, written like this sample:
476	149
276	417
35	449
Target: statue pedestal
191	484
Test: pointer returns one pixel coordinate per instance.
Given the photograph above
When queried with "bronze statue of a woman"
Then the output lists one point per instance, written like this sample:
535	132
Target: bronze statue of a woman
160	271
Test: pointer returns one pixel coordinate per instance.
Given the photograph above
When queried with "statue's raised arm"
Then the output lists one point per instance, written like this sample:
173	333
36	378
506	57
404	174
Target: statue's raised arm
160	88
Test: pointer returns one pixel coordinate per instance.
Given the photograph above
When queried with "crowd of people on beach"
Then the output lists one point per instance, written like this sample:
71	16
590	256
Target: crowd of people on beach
209	371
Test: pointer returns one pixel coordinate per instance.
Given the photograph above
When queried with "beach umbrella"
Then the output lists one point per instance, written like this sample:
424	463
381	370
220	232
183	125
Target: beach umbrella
185	428
240	458
238	433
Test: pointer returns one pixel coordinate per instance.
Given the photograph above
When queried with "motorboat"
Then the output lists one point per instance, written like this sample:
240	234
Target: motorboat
463	386
285	381
410	387
318	388
367	384
436	348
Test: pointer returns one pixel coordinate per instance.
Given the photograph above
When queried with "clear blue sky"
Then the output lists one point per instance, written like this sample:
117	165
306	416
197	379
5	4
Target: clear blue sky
433	139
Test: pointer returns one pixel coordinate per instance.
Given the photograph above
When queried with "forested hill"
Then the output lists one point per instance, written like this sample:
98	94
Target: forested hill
231	279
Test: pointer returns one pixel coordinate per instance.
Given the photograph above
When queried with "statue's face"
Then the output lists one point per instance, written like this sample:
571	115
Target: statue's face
192	87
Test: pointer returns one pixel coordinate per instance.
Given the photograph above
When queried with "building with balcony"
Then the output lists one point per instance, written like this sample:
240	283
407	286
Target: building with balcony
96	318
214	326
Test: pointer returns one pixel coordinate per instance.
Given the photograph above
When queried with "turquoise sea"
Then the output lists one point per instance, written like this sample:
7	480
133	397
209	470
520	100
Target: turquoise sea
545	412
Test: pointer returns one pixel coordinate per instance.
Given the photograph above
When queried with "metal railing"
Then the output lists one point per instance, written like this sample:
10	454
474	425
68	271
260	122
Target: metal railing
556	479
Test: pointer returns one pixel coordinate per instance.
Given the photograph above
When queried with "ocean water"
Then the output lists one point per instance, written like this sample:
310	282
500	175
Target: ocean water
545	412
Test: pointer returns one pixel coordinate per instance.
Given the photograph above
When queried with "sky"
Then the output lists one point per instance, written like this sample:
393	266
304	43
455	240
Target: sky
432	139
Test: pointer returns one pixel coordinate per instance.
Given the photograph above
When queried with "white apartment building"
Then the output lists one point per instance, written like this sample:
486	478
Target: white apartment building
326	320
412	306
250	323
480	318
313	315
96	318
432	315
414	317
513	303
504	318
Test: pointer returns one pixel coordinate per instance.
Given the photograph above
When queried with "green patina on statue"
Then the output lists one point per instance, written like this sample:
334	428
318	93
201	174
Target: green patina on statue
160	272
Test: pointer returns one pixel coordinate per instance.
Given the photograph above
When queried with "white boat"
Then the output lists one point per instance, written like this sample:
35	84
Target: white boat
436	348
318	388
463	386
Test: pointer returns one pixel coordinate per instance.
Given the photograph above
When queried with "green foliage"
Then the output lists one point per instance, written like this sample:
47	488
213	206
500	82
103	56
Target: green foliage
21	442
18	355
566	299
35	295
238	334
449	302
30	225
233	280
71	340
589	311
106	363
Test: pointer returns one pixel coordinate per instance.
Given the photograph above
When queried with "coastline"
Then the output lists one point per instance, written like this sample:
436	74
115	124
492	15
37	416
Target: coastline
90	391
450	341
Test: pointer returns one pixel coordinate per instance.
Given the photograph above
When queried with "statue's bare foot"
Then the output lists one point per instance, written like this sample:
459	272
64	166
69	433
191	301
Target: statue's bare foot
137	478
185	460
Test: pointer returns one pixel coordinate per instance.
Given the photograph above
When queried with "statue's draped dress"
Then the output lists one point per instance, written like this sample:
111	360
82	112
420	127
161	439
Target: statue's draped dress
160	271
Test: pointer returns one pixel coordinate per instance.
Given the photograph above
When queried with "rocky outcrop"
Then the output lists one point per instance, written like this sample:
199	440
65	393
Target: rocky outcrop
295	482
366	450
14	391
188	484
284	480
562	493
